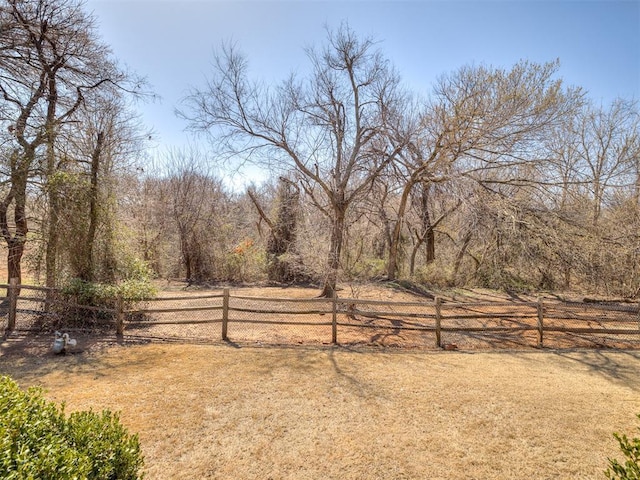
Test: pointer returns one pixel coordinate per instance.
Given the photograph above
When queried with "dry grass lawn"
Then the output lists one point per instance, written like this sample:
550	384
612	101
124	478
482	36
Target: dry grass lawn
207	411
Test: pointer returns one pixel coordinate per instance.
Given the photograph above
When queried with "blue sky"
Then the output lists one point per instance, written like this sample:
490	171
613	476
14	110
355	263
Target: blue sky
171	42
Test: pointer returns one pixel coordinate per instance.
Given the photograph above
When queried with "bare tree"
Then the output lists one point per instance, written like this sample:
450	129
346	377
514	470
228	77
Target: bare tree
330	127
50	57
609	147
424	231
478	121
190	193
106	145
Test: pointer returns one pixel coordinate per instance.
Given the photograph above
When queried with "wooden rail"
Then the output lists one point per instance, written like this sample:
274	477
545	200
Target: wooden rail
436	317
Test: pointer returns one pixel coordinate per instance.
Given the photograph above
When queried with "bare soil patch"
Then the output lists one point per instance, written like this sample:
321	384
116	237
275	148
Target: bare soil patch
219	412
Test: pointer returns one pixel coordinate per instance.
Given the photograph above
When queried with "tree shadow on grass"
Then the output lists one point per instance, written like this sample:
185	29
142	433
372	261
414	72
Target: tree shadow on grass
357	384
619	366
28	356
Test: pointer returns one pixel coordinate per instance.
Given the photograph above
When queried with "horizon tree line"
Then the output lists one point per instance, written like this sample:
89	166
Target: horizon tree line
499	177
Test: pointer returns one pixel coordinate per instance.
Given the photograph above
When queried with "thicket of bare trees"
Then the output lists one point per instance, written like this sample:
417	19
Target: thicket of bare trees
62	118
331	127
500	177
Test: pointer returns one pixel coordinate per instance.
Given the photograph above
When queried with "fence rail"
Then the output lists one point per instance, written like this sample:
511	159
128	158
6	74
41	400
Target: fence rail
241	318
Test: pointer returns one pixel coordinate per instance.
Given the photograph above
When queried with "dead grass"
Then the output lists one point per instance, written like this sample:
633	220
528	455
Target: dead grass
214	411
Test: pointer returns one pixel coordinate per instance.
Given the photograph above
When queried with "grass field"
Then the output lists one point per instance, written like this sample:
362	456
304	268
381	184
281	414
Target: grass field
207	411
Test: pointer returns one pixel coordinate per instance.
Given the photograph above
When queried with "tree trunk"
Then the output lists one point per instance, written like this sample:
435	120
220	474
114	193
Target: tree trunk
283	263
394	246
460	256
428	237
16	240
335	249
88	264
414	253
51	252
14	260
598	190
431	245
428	233
186	257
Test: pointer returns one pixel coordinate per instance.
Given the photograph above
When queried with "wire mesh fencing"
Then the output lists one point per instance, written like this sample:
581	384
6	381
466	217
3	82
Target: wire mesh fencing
279	320
25	311
33	309
489	325
423	324
388	324
192	317
591	325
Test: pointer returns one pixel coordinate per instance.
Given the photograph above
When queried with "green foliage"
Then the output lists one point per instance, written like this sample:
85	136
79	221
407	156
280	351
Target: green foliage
630	469
87	293
133	290
69	181
134	269
135	287
38	441
100	294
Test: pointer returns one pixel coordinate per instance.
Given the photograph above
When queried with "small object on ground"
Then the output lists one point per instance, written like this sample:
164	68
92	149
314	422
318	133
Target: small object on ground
450	346
61	342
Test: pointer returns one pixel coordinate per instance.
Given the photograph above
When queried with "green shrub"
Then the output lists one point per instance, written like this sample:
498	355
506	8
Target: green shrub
38	441
101	295
134	286
630	469
105	295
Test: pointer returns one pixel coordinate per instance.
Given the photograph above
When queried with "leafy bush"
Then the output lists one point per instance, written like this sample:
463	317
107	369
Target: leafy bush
105	295
134	286
38	441
630	469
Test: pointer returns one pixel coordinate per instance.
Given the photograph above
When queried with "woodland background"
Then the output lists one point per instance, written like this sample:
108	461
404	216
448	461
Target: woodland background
500	178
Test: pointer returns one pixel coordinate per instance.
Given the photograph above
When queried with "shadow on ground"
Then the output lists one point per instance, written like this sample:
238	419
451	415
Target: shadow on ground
619	366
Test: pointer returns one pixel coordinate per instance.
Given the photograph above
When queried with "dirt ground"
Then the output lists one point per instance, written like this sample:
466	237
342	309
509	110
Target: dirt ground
221	412
475	319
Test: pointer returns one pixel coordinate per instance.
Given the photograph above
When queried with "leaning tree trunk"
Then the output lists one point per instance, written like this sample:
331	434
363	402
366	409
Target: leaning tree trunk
394	246
14	259
460	256
15	240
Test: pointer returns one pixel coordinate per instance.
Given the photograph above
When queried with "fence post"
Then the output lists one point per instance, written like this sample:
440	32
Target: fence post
334	318
119	316
12	293
540	308
225	313
438	302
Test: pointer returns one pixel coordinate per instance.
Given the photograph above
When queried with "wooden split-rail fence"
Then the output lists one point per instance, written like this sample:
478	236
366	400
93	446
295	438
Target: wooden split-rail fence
436	323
